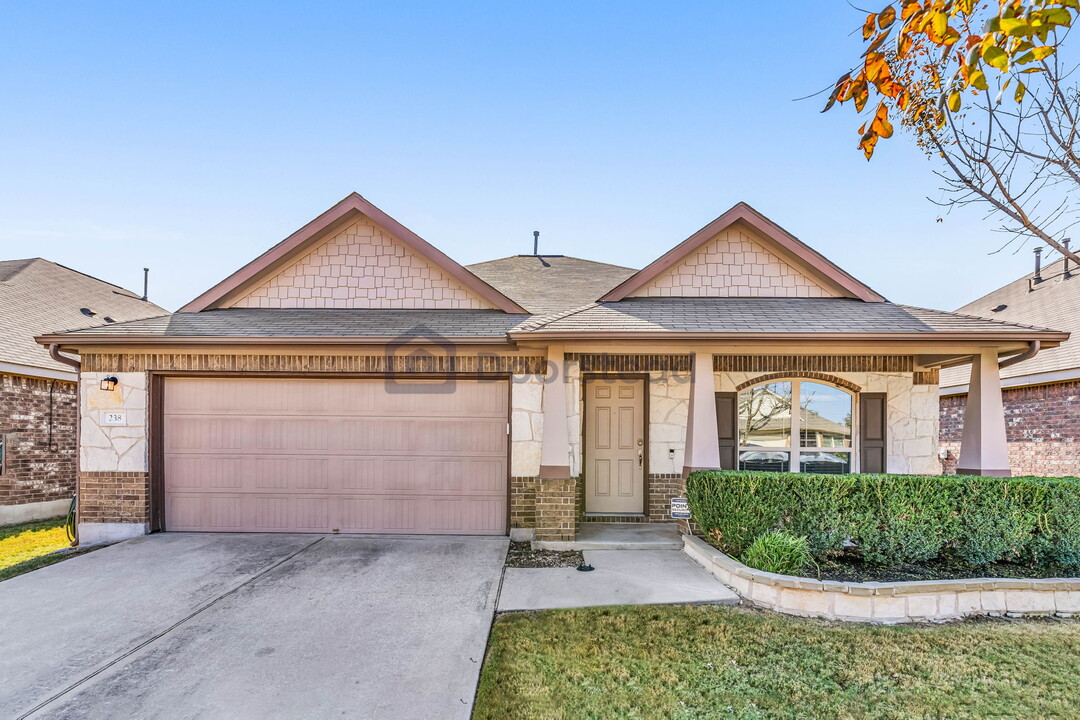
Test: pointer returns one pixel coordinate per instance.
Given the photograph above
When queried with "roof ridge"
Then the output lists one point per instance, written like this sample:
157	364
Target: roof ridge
565	257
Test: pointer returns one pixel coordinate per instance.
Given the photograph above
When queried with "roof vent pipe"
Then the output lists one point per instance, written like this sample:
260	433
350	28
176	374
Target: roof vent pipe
536	242
145	283
1038	265
1068	273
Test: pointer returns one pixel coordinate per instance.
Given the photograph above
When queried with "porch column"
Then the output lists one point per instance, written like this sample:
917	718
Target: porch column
556	490
702	444
983	448
555	452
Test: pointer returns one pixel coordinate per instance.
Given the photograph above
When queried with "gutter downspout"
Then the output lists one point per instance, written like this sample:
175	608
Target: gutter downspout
1033	349
54	353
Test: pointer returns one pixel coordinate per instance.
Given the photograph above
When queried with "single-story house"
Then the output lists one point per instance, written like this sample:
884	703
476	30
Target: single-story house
355	379
1041	396
38	404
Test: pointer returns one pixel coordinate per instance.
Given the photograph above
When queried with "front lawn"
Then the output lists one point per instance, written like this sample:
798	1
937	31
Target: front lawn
29	546
720	662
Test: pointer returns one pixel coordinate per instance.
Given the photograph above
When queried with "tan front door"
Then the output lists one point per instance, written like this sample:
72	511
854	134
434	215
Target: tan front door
614	445
335	455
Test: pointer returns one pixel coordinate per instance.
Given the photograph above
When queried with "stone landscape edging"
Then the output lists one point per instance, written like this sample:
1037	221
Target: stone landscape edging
888	603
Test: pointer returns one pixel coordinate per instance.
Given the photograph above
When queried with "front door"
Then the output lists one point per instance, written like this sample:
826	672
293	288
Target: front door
614	445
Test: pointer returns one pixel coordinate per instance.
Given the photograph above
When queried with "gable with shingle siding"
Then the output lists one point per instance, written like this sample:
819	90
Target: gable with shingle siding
361	266
734	263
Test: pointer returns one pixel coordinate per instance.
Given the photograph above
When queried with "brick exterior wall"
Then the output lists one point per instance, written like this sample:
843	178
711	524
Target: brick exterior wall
661	489
141	362
1042	425
37	469
814	363
523	502
556	509
114	497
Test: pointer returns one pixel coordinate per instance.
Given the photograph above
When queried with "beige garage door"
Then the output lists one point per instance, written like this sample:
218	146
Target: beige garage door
327	455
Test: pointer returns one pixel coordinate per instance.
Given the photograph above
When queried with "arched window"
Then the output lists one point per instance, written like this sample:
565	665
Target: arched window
817	438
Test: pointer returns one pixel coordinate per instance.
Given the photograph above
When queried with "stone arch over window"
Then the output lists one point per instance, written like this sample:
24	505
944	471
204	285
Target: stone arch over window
839	382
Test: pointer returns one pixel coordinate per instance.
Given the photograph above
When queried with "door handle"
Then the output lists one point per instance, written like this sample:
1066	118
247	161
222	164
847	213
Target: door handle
639	459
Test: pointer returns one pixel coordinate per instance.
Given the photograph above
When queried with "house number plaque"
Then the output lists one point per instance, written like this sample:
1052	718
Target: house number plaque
114	418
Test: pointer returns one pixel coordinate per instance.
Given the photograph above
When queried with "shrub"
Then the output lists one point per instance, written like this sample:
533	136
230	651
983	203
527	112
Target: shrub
900	519
738	513
778	551
894	519
998	518
1062	524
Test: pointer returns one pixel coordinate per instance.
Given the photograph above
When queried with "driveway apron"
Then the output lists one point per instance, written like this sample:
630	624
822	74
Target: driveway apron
259	626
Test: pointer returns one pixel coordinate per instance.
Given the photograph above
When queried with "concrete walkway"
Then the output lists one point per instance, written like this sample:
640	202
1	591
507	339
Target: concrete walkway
619	536
201	626
621	577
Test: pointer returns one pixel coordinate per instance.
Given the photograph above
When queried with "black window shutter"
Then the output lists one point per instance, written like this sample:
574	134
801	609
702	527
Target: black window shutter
872	432
727	429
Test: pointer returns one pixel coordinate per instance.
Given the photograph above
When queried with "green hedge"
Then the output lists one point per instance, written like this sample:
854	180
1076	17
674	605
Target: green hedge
895	519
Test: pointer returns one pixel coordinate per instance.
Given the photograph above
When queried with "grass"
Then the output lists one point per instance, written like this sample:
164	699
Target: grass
719	662
29	546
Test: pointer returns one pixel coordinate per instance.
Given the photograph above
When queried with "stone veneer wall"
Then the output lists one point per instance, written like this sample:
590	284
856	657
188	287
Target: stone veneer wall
1042	426
912	414
669	407
362	266
114	481
122	448
888	603
40	465
733	264
526	425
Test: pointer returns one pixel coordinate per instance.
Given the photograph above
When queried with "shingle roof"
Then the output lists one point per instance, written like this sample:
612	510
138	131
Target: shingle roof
1054	302
550	283
764	315
38	296
295	322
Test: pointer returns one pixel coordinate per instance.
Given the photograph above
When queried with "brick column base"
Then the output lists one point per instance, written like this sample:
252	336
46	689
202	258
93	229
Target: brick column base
523	502
556	509
114	497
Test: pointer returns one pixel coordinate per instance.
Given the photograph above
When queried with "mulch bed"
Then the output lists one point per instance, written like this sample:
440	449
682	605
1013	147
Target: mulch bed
851	569
522	555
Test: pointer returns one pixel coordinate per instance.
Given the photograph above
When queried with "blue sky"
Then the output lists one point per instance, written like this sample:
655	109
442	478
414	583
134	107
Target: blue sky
190	137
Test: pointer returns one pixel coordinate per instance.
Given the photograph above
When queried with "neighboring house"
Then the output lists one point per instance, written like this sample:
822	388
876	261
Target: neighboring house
1041	395
38	407
353	378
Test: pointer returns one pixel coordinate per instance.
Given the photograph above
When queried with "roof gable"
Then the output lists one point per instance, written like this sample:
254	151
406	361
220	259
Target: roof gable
353	256
742	254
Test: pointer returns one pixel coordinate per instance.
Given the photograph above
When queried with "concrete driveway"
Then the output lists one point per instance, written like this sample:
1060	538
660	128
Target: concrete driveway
252	626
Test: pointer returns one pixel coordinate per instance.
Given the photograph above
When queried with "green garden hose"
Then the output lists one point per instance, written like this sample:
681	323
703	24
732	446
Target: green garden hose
72	530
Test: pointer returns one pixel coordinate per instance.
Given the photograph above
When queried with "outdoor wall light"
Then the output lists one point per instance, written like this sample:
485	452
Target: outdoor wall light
109	383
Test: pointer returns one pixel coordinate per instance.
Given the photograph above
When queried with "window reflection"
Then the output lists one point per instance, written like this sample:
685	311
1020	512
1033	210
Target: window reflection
824	416
818	438
766	461
823	462
765	416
